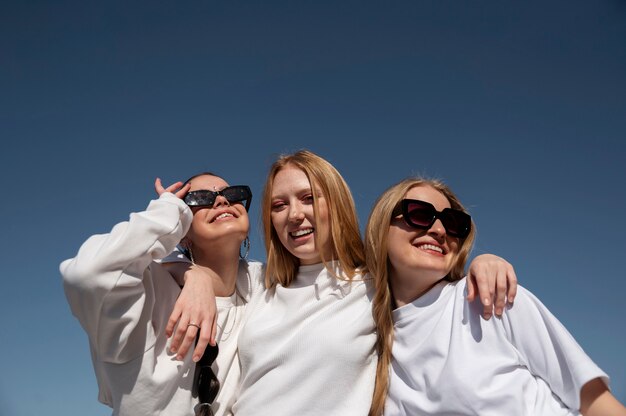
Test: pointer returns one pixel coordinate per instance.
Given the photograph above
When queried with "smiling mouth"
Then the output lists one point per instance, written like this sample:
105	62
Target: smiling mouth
222	216
301	233
430	247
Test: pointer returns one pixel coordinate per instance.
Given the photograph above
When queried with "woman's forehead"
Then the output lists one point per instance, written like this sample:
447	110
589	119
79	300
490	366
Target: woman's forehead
208	182
290	179
428	194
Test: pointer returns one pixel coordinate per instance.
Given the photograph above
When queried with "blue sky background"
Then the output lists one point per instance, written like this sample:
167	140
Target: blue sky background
519	106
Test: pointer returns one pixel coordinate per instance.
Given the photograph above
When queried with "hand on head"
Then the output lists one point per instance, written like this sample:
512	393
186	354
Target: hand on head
176	188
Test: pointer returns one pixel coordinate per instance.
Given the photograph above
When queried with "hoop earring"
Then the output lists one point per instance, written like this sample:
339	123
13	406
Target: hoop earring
246	245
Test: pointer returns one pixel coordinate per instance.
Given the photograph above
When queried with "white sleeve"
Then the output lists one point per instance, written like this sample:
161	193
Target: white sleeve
548	350
104	284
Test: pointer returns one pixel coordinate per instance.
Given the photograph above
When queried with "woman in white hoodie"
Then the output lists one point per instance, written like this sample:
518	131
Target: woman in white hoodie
123	297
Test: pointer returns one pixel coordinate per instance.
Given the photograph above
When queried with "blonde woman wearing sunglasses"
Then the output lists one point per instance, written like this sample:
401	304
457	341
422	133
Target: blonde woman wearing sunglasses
437	356
307	346
123	297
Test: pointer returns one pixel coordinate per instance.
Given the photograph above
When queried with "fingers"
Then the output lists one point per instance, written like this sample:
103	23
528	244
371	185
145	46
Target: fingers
183	191
485	293
158	186
203	340
185	337
173	319
500	292
179	335
214	331
173	187
189	337
496	283
506	288
512	284
176	188
195	312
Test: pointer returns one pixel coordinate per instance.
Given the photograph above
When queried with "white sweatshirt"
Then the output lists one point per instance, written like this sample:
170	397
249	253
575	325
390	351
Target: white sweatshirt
308	349
123	299
447	360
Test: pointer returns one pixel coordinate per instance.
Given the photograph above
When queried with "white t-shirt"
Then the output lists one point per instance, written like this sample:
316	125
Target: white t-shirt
448	360
308	349
123	299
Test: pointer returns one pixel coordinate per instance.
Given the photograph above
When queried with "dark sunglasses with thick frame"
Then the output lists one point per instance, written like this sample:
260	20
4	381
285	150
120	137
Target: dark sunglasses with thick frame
422	215
206	198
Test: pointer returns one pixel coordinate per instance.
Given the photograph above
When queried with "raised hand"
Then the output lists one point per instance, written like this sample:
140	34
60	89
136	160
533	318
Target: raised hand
177	188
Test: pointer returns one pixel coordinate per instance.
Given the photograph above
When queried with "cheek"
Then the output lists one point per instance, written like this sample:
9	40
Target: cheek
279	225
196	222
274	218
396	248
243	214
454	246
453	255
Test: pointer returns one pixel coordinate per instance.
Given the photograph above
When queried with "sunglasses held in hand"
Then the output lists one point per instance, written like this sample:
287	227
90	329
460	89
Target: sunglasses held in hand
206	198
422	215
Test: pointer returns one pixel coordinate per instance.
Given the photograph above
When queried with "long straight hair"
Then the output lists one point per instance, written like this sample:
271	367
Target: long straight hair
345	238
376	252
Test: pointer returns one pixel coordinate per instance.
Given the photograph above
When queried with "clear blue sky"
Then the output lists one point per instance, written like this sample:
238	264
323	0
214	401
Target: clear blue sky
519	106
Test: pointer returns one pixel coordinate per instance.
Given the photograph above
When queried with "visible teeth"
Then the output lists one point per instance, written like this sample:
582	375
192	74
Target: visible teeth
302	232
430	247
224	215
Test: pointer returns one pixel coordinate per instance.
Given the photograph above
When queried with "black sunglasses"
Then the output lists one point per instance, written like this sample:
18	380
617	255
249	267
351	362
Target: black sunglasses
422	215
205	381
233	194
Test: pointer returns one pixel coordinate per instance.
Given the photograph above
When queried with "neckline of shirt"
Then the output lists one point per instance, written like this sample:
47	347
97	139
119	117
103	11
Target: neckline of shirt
420	304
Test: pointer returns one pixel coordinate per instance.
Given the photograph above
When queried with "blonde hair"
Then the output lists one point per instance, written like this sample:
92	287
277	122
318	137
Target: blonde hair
345	238
376	252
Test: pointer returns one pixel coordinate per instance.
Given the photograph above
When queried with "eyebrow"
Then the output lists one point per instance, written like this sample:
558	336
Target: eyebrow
297	192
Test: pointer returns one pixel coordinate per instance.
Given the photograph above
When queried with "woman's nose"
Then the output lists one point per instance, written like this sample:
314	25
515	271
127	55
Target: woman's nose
437	229
220	200
295	213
